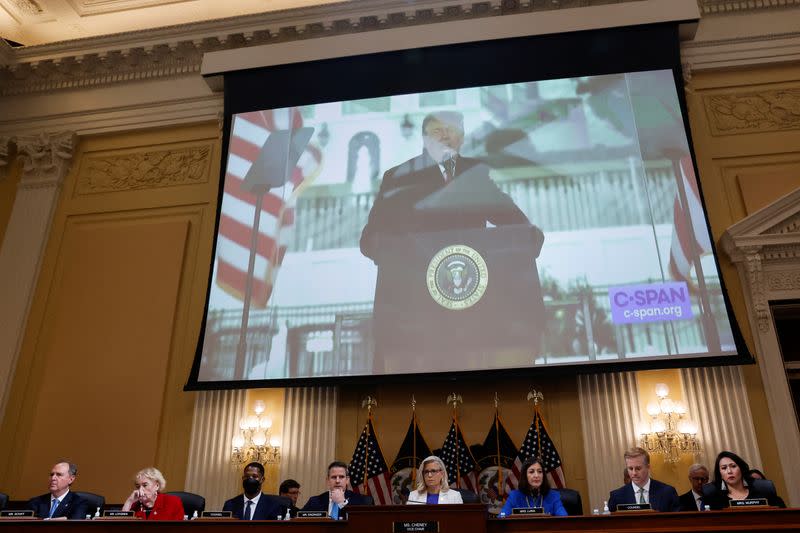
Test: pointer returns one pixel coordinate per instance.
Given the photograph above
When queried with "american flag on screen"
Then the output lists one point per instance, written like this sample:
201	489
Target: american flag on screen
688	241
369	472
248	134
538	443
462	468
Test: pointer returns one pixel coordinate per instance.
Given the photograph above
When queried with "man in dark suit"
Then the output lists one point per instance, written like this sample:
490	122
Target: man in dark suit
642	488
254	504
337	498
437	190
290	488
693	500
60	503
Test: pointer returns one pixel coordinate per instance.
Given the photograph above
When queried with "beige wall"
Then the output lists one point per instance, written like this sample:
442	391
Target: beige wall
748	154
8	192
112	330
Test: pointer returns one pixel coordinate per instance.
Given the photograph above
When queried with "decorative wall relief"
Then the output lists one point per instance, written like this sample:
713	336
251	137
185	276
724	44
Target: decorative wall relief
143	170
784	281
754	112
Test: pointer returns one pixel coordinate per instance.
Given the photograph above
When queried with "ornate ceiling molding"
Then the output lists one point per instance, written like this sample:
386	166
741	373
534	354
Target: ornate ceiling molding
177	50
5	148
46	158
712	7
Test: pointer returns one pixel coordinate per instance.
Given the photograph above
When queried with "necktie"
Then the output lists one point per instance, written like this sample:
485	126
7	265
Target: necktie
699	502
53	508
641	496
335	511
248	515
449	168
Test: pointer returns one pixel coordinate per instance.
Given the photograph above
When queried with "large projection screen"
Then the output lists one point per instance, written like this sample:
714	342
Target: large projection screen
414	222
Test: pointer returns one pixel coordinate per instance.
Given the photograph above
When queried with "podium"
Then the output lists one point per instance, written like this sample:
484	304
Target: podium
411	518
458	300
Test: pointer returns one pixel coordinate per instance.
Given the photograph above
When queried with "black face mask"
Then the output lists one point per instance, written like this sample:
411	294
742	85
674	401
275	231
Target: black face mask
251	486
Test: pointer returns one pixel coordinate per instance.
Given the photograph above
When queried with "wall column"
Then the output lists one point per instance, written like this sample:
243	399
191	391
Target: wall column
309	437
610	417
46	159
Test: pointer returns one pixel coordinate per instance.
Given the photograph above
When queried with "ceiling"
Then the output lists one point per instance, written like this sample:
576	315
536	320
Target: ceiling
35	22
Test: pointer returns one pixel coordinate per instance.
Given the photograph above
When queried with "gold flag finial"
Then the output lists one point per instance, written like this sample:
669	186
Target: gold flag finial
369	402
455	399
496	401
536	396
413	403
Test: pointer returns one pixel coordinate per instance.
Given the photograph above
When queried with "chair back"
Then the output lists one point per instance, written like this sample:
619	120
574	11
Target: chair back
467	496
95	502
765	486
571	499
3	501
191	502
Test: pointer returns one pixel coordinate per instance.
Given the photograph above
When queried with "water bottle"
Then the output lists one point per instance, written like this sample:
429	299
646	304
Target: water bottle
97	513
194	514
605	508
288	514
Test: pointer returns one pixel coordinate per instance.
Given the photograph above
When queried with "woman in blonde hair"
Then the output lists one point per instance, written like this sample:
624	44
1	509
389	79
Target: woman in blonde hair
148	502
432	485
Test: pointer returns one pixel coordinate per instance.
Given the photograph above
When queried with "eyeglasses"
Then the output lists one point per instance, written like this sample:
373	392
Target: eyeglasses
430	472
699	478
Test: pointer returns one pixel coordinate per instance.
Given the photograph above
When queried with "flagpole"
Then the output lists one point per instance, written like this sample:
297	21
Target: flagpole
454	399
497	445
414	441
369	402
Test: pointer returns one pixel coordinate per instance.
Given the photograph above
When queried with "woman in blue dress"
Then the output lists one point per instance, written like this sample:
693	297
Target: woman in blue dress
534	491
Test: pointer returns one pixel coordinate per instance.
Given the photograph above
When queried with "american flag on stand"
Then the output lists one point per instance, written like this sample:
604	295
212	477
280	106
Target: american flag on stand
538	443
461	466
248	134
688	241
368	468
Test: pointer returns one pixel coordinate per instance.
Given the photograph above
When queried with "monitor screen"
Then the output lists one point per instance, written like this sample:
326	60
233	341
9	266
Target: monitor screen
541	223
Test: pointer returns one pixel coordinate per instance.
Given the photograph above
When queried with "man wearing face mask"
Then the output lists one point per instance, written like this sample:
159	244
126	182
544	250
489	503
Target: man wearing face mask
437	190
253	504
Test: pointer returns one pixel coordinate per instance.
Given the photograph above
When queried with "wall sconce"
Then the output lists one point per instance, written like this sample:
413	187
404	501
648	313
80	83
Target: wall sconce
406	127
254	441
670	434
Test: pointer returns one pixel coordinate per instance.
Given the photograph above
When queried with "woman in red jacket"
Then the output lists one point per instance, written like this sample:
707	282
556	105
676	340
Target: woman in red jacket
148	503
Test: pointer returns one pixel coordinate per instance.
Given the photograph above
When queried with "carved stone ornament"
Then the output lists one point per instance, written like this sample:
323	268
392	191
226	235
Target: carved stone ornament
46	158
755	278
784	281
790	225
762	111
142	170
179	58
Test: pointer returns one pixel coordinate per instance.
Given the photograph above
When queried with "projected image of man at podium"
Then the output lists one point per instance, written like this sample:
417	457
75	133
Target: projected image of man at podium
437	190
452	292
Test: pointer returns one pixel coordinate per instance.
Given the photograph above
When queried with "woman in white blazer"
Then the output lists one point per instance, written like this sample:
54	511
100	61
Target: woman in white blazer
432	485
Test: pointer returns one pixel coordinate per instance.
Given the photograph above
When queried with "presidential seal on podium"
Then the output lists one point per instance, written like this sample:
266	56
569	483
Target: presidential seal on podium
457	277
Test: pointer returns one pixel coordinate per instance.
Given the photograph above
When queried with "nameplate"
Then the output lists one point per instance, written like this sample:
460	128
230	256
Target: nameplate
312	514
409	527
26	513
216	514
628	507
116	513
750	502
528	510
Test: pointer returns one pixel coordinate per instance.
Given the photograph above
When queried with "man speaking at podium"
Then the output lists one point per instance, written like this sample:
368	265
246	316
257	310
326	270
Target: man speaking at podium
437	190
452	293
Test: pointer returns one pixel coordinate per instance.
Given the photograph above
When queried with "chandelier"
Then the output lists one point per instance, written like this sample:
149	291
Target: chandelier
254	442
670	432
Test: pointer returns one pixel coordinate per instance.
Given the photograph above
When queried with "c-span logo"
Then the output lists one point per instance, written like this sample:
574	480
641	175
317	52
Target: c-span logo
457	277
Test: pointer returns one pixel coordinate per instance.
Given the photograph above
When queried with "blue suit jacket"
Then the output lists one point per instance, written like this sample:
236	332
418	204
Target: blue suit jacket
321	501
268	507
72	506
662	497
551	503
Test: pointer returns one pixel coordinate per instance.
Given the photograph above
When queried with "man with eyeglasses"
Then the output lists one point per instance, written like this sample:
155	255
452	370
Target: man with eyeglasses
437	190
337	498
693	500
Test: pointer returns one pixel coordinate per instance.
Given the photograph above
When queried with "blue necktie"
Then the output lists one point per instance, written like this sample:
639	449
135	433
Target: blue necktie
247	510
335	511
53	508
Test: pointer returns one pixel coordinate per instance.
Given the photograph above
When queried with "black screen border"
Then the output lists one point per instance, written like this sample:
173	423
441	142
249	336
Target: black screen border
582	53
